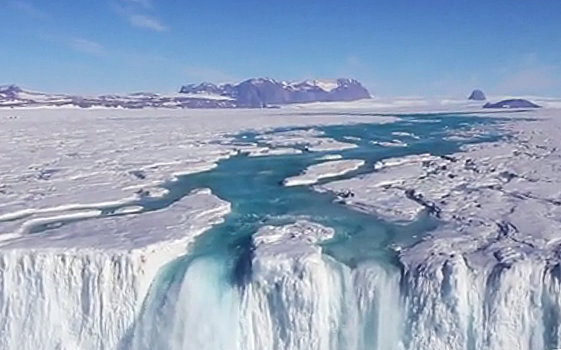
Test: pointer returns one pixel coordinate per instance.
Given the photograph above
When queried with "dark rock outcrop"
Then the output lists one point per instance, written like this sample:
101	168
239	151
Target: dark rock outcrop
9	92
477	95
259	93
349	90
512	103
208	88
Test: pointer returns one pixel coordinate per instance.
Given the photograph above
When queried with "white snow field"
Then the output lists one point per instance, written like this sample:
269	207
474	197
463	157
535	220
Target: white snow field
81	256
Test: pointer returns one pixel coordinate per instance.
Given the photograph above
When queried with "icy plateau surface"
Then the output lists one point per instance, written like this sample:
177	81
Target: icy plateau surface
59	157
88	280
508	189
494	261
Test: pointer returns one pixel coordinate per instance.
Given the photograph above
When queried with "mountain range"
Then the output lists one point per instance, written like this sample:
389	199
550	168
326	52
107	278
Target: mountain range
263	92
252	93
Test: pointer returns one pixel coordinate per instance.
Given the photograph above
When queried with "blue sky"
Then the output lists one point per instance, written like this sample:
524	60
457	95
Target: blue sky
395	47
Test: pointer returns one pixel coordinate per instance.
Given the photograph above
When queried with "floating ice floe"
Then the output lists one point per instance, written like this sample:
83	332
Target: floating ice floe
313	140
263	152
324	170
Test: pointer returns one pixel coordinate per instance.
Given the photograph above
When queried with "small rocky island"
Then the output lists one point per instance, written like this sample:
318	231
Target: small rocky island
512	103
477	95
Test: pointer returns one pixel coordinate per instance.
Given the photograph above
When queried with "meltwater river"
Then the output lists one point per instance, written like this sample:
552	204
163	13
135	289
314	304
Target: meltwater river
349	297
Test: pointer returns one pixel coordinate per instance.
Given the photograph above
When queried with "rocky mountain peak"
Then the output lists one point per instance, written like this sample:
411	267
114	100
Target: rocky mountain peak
477	95
261	92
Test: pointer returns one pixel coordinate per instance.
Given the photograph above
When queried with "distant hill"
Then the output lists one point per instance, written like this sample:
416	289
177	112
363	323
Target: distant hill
14	96
263	92
512	103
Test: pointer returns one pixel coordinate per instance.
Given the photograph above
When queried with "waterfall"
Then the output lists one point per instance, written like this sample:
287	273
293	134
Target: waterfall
296	298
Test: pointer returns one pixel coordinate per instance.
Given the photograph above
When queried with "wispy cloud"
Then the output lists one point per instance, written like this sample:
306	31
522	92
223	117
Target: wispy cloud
29	10
86	46
147	22
75	43
139	14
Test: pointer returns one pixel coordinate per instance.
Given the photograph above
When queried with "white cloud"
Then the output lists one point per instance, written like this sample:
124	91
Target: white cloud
29	10
138	14
86	46
75	43
147	22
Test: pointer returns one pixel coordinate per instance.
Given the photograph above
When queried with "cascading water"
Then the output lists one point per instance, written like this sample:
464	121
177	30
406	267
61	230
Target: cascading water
197	311
297	298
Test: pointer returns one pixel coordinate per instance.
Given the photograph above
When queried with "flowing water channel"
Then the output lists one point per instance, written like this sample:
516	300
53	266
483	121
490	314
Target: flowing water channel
211	299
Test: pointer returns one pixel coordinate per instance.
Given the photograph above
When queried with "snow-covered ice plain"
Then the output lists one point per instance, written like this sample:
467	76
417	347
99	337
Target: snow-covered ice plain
173	229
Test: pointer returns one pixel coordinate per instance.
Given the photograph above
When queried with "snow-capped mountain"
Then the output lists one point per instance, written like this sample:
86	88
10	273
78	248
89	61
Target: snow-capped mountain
261	92
252	93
